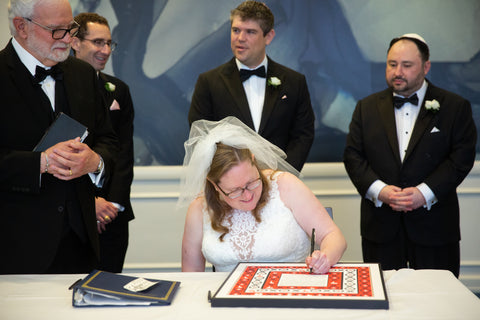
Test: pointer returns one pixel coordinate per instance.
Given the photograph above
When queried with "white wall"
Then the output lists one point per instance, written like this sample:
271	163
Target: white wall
156	233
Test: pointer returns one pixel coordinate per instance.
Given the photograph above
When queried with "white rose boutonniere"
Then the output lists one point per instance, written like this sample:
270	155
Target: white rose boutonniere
274	82
109	86
432	105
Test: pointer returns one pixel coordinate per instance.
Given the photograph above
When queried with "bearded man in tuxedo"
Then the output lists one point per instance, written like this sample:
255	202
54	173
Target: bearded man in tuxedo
47	203
408	149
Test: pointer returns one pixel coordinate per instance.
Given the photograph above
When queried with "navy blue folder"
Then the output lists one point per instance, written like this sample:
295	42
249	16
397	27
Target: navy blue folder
101	288
62	129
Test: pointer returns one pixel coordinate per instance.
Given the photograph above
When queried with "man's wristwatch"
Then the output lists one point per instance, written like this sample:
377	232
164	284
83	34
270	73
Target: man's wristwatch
100	165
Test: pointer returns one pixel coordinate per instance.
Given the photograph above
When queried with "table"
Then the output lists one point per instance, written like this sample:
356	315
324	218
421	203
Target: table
413	294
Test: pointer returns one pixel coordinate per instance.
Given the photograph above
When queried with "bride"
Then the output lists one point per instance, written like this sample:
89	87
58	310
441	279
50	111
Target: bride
247	204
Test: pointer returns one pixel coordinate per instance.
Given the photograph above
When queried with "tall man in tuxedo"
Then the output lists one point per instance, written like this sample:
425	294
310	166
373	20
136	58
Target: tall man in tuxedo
408	149
47	204
268	97
93	44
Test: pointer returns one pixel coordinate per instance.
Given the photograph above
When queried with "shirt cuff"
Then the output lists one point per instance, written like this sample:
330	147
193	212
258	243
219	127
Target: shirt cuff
119	207
373	192
97	178
428	194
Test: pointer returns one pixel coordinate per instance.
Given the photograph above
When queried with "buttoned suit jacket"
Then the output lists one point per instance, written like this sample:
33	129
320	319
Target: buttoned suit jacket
117	188
440	153
32	205
287	117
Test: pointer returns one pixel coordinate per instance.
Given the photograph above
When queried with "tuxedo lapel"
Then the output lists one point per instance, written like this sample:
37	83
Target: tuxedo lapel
71	82
423	120
231	77
271	94
31	91
387	115
69	87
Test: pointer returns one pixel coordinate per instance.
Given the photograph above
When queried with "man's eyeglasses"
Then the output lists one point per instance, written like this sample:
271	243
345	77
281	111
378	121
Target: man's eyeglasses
238	192
100	43
60	33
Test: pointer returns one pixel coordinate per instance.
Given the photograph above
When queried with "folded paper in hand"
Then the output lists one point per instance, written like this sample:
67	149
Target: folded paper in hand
62	129
101	288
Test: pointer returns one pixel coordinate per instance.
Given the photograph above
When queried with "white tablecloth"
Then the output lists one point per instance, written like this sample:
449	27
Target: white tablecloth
413	294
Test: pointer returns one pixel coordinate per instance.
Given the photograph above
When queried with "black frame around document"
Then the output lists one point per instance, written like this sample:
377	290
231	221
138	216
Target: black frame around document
347	285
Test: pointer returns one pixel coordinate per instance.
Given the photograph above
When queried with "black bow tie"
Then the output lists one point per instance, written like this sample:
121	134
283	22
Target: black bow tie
41	73
259	72
398	101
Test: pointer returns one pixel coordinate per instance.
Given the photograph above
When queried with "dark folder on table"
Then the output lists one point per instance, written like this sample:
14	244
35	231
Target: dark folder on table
101	288
62	129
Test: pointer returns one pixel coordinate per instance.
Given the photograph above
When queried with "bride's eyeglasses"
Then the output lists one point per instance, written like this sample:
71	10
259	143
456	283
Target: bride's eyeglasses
239	191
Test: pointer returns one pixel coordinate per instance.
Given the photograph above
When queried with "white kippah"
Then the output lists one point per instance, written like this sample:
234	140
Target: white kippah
414	36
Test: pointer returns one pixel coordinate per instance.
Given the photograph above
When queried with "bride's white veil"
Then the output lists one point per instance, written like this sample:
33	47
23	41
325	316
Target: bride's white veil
202	144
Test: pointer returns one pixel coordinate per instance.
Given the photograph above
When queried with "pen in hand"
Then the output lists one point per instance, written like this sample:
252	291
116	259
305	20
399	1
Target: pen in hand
312	245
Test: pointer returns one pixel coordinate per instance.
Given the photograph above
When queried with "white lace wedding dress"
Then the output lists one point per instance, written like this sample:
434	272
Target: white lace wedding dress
277	238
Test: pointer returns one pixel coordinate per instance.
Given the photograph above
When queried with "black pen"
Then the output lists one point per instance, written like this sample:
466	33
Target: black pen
312	245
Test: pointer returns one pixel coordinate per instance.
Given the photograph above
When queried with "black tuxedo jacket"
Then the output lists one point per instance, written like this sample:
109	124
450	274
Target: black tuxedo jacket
117	188
440	153
32	205
287	117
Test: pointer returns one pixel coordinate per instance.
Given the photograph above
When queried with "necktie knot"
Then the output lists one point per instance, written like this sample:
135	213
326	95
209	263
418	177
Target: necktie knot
398	101
245	74
41	73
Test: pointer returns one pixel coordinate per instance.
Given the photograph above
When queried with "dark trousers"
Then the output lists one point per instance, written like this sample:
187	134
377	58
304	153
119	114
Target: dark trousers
73	255
401	252
113	245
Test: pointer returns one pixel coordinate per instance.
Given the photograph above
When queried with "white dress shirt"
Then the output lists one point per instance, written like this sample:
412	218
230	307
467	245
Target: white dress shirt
255	90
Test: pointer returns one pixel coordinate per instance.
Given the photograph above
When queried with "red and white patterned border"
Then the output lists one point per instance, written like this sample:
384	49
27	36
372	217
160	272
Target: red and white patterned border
347	281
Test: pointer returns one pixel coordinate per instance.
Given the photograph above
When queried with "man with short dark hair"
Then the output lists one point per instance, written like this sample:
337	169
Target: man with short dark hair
270	98
94	44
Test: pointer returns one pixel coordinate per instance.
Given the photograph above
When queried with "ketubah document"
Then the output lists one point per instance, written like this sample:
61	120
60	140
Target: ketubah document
62	129
292	285
101	288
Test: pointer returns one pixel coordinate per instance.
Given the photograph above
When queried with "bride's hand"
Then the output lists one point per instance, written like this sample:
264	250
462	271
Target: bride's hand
318	262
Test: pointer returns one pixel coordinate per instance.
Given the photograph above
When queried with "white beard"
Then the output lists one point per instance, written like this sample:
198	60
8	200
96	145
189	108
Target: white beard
47	53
